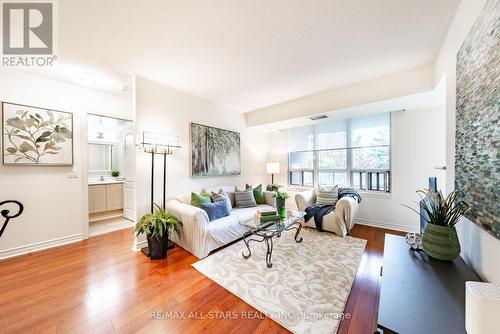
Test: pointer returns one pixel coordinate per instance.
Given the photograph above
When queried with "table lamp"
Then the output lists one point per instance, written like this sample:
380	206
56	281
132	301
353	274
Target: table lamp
273	168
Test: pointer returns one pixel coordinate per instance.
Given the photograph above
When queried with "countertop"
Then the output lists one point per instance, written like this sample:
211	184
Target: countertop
98	182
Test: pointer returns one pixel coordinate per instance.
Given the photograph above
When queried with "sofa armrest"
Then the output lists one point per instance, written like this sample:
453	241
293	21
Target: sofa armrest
187	214
269	196
305	199
194	230
346	210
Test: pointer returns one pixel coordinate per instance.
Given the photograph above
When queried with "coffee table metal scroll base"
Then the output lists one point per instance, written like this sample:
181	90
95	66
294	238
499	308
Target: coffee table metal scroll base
267	237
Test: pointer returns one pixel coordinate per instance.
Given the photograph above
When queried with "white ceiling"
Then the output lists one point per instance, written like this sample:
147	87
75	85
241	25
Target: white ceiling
250	54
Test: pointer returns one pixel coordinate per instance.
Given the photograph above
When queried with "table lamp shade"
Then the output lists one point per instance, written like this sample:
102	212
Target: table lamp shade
273	168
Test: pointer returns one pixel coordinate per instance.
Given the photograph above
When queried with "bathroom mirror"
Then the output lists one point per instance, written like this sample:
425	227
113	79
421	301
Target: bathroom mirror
100	157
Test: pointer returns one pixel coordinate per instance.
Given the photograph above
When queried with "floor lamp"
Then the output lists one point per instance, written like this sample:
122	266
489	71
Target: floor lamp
158	144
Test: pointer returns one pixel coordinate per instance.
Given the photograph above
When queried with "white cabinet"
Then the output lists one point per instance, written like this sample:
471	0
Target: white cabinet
97	198
105	197
114	196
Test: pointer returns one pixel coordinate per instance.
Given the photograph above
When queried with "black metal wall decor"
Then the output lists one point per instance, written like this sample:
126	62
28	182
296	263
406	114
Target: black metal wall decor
6	213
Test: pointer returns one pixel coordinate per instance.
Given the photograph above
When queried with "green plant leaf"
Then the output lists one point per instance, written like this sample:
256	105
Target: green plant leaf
25	147
66	132
44	136
17	123
23	137
30	122
58	138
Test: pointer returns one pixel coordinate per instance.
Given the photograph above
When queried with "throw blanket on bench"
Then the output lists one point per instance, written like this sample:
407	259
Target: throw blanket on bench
319	211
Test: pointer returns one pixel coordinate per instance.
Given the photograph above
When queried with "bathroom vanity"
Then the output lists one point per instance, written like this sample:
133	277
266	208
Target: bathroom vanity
105	196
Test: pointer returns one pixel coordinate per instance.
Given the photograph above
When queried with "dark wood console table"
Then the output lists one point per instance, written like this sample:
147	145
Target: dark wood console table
419	294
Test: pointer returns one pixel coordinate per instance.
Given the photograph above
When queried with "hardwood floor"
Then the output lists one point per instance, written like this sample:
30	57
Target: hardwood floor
100	286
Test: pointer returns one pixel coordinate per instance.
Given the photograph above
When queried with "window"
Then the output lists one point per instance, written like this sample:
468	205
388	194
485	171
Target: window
350	152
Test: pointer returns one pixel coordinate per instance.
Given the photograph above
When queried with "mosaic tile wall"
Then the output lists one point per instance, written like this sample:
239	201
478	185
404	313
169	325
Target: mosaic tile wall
477	157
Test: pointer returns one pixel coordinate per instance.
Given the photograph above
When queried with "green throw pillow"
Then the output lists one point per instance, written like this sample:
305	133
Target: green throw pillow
258	194
199	199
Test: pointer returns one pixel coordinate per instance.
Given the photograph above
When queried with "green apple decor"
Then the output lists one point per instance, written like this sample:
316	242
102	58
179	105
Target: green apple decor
280	203
440	239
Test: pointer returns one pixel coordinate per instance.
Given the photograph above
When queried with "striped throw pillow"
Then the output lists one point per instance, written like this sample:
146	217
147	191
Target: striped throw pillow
327	196
244	198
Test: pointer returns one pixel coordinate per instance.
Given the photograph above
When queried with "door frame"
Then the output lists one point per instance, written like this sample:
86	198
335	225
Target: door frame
84	165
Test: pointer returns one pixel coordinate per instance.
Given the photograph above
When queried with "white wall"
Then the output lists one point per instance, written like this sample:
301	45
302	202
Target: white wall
55	205
166	110
479	248
418	145
380	89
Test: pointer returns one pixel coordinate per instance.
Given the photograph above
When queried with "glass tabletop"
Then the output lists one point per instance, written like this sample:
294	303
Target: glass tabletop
292	216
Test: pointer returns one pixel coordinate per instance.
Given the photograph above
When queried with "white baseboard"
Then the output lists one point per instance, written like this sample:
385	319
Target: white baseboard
139	245
386	225
4	254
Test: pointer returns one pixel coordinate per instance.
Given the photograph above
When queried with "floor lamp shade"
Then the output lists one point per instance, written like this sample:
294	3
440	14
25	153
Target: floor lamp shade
273	168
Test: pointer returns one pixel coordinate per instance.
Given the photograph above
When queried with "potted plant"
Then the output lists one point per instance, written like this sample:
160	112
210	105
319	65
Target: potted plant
280	203
440	239
274	187
157	226
115	173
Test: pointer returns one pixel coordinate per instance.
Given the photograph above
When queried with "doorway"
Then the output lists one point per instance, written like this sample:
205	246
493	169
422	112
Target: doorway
111	174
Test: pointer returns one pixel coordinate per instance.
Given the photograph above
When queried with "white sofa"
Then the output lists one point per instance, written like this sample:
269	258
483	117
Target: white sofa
340	221
200	236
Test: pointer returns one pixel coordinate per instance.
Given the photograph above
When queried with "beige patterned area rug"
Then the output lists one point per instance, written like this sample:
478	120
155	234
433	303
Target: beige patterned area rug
308	285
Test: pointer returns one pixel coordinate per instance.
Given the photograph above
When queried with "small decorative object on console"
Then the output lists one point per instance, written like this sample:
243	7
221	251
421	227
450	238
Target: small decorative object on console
414	240
115	173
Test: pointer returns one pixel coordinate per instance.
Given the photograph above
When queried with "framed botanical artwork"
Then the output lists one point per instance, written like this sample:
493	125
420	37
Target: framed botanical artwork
214	151
34	136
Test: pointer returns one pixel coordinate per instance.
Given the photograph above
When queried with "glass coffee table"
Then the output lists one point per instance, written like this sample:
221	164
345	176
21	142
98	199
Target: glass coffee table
265	232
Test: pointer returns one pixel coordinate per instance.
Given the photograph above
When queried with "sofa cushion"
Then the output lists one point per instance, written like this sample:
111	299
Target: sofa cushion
198	199
221	196
232	198
215	210
227	229
244	198
327	196
258	194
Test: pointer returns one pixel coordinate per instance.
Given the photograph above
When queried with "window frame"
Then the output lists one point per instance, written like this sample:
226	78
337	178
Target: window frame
387	188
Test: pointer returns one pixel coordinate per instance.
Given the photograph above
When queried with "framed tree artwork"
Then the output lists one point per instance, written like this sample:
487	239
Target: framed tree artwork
214	151
34	136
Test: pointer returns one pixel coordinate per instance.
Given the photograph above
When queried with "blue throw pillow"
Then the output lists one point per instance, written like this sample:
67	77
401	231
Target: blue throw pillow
215	210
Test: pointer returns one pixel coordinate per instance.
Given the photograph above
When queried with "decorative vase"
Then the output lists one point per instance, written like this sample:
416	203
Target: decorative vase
441	242
280	205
